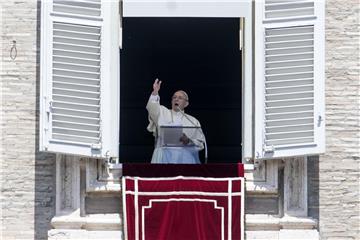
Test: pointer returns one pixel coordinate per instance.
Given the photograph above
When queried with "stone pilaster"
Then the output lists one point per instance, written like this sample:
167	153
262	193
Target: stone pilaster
295	187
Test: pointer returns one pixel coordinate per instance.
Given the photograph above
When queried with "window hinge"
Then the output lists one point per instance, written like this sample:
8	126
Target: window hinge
107	154
320	119
268	149
49	105
113	160
96	146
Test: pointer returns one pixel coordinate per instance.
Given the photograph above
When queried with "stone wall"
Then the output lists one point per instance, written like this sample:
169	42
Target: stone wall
339	175
27	177
27	183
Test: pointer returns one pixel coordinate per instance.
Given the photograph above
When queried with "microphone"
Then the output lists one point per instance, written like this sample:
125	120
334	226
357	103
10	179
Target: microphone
197	128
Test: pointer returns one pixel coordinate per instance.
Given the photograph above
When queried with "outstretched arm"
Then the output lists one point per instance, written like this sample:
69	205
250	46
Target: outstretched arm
153	105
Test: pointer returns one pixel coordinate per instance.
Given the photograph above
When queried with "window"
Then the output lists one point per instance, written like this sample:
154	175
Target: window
80	86
198	55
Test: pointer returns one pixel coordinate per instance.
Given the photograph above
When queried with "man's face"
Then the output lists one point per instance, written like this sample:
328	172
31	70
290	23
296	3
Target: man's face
179	100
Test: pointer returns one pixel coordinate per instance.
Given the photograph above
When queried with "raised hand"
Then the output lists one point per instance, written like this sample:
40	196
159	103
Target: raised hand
156	87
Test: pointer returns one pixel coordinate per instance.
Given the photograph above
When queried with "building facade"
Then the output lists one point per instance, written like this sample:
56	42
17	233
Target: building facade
59	196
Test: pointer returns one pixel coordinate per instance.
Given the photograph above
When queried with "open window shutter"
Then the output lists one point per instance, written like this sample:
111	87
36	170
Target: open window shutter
289	78
79	99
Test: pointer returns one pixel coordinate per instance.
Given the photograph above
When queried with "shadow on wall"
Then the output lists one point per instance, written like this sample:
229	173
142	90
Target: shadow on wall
313	187
45	191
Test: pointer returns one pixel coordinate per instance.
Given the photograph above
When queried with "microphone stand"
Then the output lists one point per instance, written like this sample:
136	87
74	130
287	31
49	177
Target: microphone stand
201	131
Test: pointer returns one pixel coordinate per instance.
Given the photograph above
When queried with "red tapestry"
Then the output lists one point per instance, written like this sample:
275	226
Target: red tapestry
183	208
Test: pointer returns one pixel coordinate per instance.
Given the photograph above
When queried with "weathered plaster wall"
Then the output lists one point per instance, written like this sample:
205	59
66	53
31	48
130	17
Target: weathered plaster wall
27	183
340	167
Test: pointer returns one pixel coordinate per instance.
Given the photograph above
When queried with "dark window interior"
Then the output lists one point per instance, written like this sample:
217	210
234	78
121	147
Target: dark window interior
198	55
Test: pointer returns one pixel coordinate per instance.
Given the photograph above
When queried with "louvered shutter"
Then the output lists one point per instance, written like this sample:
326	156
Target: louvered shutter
79	102
289	78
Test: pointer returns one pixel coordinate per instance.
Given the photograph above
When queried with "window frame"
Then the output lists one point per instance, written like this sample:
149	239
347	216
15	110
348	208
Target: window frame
206	8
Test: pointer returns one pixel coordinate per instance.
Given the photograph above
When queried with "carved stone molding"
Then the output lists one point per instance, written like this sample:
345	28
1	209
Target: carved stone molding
102	176
264	177
295	187
67	185
98	222
260	226
71	175
262	222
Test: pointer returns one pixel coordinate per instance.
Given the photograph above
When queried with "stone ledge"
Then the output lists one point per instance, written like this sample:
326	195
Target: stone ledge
283	235
92	222
253	222
299	234
80	234
260	222
298	223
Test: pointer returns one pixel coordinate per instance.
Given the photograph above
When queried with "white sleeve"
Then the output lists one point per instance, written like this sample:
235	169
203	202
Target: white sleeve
153	107
198	138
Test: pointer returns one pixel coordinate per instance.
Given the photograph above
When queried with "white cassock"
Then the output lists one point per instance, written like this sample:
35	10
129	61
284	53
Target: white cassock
162	116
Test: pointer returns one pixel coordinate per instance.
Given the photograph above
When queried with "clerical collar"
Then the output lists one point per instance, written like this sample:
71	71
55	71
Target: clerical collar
176	112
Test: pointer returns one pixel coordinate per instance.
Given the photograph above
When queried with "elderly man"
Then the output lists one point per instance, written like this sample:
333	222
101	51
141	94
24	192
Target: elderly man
191	141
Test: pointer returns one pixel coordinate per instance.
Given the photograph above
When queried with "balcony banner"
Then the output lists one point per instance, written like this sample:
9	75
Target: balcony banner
183	207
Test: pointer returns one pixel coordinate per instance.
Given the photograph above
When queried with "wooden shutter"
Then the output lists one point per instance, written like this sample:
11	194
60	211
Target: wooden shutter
289	78
79	100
